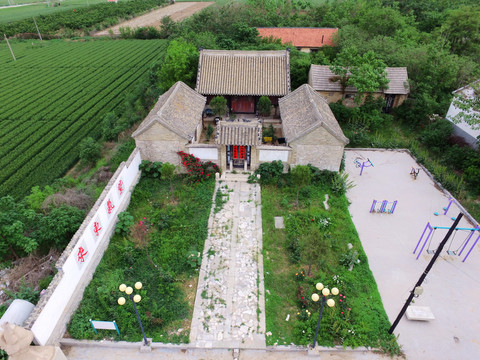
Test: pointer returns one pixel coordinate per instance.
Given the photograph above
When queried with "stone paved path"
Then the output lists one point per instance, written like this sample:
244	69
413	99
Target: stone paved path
230	305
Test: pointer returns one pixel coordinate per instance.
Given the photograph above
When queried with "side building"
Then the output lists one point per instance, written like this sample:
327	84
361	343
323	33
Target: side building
321	78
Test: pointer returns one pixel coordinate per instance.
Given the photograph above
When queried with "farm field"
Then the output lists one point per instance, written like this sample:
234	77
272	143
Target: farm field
56	94
38	8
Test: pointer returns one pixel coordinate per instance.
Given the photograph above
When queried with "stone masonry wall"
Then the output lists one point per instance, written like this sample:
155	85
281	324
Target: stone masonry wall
319	148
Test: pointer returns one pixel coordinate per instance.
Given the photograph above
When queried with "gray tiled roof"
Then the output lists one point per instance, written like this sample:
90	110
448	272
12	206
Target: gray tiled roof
229	72
179	109
237	133
304	110
320	75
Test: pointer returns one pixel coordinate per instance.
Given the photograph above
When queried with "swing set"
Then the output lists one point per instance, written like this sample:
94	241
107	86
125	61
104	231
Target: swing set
458	251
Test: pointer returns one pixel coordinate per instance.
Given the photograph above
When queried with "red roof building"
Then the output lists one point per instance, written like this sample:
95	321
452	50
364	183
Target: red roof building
302	38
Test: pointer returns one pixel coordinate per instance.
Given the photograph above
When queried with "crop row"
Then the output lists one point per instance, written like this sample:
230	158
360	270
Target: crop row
49	60
42	85
71	107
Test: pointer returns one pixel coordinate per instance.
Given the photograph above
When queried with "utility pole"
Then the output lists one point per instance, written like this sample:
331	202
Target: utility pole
5	36
424	275
38	31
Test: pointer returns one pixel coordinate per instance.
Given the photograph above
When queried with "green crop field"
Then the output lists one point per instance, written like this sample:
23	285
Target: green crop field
9	14
56	94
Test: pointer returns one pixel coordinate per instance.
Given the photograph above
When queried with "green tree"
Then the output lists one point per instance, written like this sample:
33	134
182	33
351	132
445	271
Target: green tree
462	29
14	229
57	228
365	72
89	150
110	129
264	106
301	177
180	64
299	66
169	27
219	105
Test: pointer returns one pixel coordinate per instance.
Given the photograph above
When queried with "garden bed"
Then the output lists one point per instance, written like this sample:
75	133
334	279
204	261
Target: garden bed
168	222
314	247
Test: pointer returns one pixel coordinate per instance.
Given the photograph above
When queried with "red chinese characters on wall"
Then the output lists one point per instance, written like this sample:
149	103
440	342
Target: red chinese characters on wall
110	206
81	254
96	228
120	187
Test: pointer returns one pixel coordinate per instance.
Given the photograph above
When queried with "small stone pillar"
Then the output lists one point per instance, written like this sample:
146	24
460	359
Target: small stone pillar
217	176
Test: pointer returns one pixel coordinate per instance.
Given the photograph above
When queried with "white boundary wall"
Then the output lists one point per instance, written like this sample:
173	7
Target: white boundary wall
79	260
273	154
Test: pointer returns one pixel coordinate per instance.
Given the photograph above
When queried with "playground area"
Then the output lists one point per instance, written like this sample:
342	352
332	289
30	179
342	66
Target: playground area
393	203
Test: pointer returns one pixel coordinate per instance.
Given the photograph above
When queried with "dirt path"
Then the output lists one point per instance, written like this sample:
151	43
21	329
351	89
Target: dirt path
177	12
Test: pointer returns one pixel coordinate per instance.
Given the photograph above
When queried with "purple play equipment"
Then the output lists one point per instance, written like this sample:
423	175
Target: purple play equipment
363	164
383	206
454	252
446	208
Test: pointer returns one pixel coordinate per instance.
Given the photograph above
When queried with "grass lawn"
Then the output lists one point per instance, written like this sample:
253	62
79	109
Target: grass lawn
313	248
164	230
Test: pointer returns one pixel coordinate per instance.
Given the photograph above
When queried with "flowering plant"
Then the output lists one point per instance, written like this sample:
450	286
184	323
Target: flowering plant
304	315
198	171
300	275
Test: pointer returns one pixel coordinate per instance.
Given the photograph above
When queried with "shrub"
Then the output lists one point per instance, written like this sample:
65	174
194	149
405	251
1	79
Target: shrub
340	183
436	134
270	173
151	169
209	132
43	284
125	222
461	158
198	171
472	177
89	150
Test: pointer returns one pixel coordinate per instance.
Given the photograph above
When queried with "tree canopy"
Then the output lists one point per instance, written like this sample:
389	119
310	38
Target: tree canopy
365	72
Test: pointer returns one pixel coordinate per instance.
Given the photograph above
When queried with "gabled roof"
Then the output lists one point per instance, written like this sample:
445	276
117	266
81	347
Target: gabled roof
231	72
304	110
237	133
467	90
320	75
179	109
301	37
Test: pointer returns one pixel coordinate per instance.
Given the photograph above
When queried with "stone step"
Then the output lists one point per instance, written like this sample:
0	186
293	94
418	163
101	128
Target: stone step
229	176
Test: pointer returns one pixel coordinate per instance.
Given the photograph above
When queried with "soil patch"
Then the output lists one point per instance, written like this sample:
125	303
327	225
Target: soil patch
177	12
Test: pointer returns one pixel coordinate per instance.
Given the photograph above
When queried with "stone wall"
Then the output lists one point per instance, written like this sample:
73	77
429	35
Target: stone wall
160	144
319	148
334	96
78	262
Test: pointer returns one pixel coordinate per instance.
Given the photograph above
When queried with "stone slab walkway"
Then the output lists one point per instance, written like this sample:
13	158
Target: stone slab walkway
229	306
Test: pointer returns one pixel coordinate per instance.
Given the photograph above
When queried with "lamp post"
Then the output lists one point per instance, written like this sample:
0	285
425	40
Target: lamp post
135	299
330	302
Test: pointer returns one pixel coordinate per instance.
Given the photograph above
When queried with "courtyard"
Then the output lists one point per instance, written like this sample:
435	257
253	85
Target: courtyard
451	289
